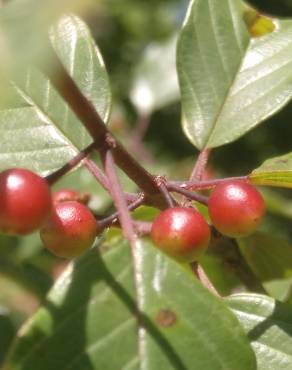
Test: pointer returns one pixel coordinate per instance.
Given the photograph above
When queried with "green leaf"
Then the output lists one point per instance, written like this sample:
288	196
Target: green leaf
45	134
26	277
7	332
274	172
268	324
223	279
269	257
229	83
155	80
277	203
89	320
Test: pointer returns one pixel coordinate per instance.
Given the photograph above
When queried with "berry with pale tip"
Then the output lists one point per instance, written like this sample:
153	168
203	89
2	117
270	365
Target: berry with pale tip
182	233
70	230
236	208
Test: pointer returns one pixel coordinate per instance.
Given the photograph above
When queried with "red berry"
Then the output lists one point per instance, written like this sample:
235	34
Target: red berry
70	229
65	195
236	208
181	232
25	201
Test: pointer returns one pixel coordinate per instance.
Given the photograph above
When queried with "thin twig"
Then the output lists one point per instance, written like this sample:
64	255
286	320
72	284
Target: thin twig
200	273
188	194
109	220
102	179
141	127
208	184
142	227
119	198
161	182
136	138
198	171
97	173
55	176
92	121
200	165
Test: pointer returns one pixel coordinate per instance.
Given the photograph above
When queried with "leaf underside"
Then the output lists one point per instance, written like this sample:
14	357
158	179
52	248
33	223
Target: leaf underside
229	83
268	324
274	172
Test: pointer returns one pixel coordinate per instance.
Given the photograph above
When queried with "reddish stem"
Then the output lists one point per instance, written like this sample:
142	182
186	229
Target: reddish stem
119	198
142	227
188	194
161	183
201	275
92	121
200	165
209	184
141	127
108	221
102	179
136	139
55	176
198	171
97	173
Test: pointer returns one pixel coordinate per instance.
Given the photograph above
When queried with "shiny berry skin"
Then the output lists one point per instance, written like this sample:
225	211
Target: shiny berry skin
65	195
70	229
181	233
25	201
236	208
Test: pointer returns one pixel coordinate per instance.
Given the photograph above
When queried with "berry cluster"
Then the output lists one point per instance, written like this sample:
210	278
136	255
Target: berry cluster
235	209
67	226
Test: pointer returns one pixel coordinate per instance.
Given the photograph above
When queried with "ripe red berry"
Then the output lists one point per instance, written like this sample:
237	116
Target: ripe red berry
181	232
25	201
65	195
236	208
70	229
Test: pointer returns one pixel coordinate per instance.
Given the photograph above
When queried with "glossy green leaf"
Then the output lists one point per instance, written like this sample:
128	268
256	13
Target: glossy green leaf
91	315
223	278
268	325
155	80
269	257
45	134
279	289
229	83
274	172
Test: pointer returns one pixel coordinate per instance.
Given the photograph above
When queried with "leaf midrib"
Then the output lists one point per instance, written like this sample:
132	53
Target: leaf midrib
234	79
